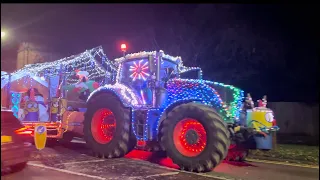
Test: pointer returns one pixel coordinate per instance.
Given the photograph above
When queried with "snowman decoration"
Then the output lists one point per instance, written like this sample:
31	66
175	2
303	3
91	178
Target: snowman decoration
43	108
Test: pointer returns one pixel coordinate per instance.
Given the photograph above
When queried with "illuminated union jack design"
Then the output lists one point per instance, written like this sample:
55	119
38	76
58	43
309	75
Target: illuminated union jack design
139	70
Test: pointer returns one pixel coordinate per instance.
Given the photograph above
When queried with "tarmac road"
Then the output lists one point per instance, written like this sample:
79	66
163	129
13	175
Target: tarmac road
75	162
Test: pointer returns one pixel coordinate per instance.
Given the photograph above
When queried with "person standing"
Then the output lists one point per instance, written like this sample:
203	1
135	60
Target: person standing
249	104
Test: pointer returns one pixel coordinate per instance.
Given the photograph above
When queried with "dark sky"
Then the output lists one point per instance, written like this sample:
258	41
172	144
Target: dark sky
263	49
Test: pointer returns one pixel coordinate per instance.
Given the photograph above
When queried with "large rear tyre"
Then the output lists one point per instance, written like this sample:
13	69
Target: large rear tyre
107	127
195	137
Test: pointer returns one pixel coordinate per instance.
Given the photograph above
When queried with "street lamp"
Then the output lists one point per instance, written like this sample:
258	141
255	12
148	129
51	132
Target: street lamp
3	34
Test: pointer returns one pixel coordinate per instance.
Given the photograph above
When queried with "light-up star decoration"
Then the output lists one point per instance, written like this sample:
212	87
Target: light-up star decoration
139	70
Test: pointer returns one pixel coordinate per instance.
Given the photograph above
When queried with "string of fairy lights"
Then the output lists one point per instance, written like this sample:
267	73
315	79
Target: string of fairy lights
179	90
86	61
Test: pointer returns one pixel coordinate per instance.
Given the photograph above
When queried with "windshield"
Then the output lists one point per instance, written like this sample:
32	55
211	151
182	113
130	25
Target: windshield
135	71
167	64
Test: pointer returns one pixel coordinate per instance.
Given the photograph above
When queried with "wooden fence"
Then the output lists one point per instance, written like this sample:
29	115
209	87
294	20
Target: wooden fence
298	122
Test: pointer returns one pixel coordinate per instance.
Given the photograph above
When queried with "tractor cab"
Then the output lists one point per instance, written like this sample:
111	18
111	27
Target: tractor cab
143	74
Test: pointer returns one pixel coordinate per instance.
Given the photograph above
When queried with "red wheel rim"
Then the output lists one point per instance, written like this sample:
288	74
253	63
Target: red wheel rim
189	137
103	126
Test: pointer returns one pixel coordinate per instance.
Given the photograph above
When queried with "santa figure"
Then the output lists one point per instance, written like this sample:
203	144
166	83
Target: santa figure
43	108
263	102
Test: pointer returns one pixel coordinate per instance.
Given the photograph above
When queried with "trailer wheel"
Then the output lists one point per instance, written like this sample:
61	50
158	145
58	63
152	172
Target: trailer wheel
195	137
107	127
51	142
66	138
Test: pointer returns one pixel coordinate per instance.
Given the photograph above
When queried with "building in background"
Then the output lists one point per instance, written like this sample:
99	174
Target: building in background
30	53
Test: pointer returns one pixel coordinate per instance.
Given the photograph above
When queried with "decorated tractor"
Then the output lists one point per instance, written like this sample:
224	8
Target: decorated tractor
158	101
158	104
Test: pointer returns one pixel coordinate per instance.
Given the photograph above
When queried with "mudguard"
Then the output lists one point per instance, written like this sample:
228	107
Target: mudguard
125	94
195	90
180	91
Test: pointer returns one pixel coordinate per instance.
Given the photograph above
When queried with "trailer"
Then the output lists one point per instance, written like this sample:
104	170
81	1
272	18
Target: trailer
32	92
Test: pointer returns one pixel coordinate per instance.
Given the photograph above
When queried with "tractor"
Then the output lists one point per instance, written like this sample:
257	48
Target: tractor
158	102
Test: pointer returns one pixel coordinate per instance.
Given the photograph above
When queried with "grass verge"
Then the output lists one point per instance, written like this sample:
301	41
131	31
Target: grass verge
301	154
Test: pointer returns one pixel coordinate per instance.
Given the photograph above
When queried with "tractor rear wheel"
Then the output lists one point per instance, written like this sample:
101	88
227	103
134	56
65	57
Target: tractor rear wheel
107	127
195	137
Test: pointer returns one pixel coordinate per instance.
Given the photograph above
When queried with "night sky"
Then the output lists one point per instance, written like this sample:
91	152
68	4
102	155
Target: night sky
262	49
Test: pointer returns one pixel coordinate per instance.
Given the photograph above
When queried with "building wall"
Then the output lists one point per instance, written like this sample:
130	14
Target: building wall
29	53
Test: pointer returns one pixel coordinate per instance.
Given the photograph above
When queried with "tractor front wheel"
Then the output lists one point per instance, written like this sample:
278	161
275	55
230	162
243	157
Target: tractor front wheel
195	137
107	127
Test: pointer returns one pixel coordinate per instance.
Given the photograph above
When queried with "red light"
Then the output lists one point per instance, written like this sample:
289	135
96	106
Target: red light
141	143
23	131
274	122
179	137
123	47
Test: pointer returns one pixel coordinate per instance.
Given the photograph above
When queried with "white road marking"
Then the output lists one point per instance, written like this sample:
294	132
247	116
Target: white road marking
283	163
155	175
163	174
209	175
78	141
66	171
77	162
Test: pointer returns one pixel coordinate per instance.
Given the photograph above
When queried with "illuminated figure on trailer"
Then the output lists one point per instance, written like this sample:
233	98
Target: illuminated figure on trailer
263	102
43	108
54	109
31	107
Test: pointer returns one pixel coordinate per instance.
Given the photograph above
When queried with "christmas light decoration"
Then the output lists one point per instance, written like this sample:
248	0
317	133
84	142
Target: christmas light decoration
22	79
138	70
15	100
181	130
86	61
103	126
179	90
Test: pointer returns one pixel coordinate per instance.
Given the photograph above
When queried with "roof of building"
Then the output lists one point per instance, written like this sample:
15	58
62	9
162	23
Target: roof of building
14	77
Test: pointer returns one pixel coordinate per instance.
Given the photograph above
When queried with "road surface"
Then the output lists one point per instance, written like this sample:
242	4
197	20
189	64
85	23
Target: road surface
75	162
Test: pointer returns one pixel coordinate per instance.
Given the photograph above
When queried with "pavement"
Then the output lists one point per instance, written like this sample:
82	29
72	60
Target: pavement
75	161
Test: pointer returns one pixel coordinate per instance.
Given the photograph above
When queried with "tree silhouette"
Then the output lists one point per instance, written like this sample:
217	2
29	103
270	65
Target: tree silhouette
224	45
